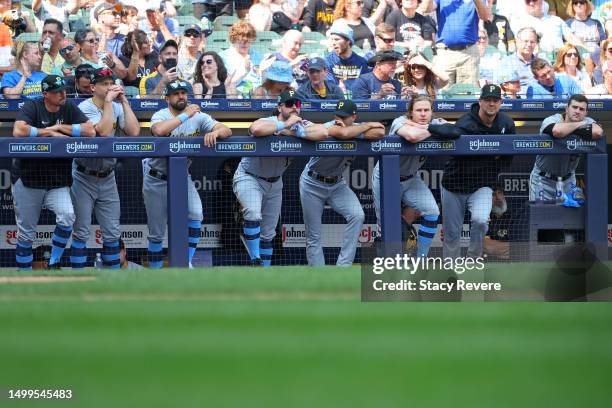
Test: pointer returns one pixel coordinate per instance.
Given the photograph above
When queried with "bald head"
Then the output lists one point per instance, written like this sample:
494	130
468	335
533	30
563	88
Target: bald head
292	42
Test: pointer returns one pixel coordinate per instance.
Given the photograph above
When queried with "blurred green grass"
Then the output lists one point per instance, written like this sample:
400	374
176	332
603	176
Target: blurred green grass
292	336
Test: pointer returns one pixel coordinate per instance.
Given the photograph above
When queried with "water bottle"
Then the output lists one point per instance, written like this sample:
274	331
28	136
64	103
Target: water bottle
98	263
559	196
46	45
366	46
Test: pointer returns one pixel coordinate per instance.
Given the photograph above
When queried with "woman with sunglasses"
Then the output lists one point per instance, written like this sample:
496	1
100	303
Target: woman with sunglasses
350	12
138	58
412	30
88	43
587	29
569	62
421	77
190	52
209	77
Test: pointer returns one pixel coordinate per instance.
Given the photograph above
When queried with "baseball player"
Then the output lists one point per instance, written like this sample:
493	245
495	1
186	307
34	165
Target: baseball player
179	119
46	181
417	125
94	187
548	168
321	182
258	183
467	180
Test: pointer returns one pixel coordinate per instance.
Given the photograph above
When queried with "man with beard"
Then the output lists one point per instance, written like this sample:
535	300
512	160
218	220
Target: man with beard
177	120
468	180
46	181
94	188
258	182
344	66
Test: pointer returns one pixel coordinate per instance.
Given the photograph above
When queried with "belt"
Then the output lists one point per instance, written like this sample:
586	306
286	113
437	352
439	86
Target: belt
404	178
268	179
99	174
454	47
157	174
324	179
554	177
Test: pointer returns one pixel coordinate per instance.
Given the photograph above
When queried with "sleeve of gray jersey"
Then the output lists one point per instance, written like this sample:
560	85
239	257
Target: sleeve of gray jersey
118	108
207	123
91	111
396	125
160	116
551	120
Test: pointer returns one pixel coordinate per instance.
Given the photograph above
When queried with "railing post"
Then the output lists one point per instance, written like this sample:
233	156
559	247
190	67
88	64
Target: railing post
178	244
596	222
390	208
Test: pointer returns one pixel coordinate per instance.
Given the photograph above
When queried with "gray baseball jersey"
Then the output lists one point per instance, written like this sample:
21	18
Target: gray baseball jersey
94	114
409	165
330	166
194	126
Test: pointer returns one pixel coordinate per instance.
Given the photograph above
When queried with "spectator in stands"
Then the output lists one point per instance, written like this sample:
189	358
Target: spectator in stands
190	51
379	84
490	58
137	59
276	79
318	15
569	62
603	91
88	44
70	51
210	78
457	52
500	34
6	33
153	84
25	80
79	85
510	82
212	9
350	12
413	31
158	26
260	14
129	20
55	9
344	66
290	52
587	29
421	77
384	40
52	31
597	59
317	87
552	30
526	42
109	20
559	8
242	62
546	85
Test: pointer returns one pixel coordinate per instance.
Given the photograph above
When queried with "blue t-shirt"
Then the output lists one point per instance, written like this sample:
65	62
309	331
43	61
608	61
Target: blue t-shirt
564	88
173	27
31	89
347	70
368	84
114	44
457	22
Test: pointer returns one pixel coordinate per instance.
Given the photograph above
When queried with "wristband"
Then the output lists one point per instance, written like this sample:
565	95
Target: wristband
76	130
280	125
183	117
33	131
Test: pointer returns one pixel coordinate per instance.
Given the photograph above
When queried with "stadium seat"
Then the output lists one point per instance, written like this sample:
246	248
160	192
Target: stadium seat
131	91
311	49
187	20
428	53
29	37
313	37
223	23
269	37
218	38
461	91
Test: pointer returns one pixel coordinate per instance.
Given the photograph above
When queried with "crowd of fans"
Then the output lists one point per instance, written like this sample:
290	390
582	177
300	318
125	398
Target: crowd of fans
365	49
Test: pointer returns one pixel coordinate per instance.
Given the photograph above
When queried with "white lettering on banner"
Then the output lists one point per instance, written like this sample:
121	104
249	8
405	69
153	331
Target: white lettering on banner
207	185
433	178
5	179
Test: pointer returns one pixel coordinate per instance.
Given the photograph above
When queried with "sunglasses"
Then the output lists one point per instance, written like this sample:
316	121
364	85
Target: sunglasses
192	34
67	49
293	102
93	40
571	54
608	49
208	61
414	67
387	40
358	3
530	1
578	2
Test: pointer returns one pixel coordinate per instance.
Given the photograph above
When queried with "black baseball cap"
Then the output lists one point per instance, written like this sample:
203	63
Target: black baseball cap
178	85
83	70
53	83
345	108
169	43
491	91
99	74
288	95
317	63
193	27
384	56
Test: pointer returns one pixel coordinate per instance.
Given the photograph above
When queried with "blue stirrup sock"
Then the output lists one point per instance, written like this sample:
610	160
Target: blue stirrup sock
194	237
265	249
251	236
426	233
60	238
23	255
155	254
110	255
78	254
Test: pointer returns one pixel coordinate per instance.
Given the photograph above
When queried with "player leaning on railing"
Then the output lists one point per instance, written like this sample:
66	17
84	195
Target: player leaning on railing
46	181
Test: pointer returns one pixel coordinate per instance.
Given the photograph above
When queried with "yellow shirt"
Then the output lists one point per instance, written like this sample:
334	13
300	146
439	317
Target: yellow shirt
49	64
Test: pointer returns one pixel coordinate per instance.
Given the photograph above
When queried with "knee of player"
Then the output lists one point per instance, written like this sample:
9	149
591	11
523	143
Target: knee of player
251	214
66	217
196	215
479	222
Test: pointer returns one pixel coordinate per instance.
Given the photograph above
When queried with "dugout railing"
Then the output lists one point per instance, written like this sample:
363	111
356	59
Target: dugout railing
389	150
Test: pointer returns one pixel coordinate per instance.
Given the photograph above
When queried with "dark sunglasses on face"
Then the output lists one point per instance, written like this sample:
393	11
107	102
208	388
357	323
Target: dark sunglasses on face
192	34
208	61
578	2
530	1
67	49
572	54
387	40
291	103
93	40
414	67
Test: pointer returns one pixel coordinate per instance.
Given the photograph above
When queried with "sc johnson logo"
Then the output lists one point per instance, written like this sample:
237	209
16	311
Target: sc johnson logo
445	106
133	147
532	105
388	106
284	146
328	105
177	147
149	104
446	145
30	148
235	146
383	145
80	147
506	106
241	105
578	144
209	105
4	105
363	105
467	105
481	144
559	105
533	144
268	105
596	105
336	146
